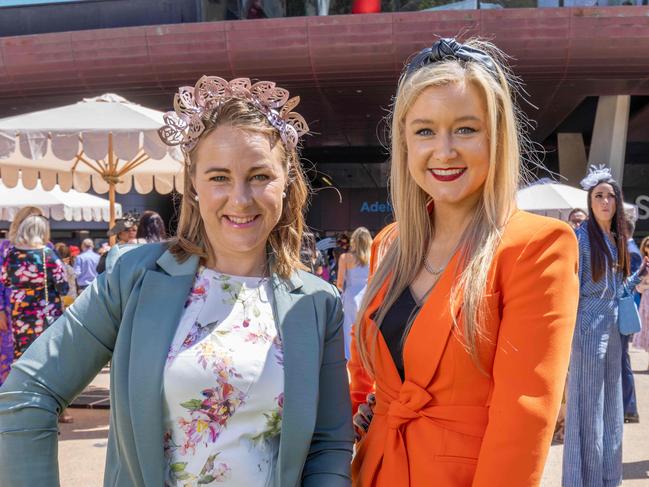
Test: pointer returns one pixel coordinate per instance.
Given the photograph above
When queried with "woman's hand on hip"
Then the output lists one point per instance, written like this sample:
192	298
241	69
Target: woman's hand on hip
363	417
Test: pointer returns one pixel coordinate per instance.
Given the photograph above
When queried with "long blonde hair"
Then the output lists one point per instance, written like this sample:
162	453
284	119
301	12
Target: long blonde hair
360	245
285	239
404	257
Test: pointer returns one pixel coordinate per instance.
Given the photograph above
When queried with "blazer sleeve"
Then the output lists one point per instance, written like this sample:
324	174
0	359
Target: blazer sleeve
539	309
49	375
330	454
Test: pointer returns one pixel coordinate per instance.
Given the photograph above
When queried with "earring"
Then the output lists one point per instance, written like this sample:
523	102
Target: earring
196	197
284	194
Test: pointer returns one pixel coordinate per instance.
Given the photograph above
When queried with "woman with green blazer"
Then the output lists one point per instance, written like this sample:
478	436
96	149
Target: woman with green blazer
227	359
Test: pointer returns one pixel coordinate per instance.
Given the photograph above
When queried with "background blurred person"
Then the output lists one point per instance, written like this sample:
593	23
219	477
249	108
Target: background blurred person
342	246
63	252
353	270
125	230
630	403
36	277
150	228
592	453
310	256
576	217
85	264
641	340
6	332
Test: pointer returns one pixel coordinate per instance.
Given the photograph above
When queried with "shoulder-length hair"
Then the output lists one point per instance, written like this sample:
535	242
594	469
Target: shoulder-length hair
18	219
600	255
285	240
404	258
360	245
34	231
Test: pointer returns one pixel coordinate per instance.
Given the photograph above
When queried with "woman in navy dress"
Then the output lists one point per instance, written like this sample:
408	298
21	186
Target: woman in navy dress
593	443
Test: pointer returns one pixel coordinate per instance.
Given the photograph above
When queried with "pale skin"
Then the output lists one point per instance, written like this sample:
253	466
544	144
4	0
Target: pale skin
446	128
346	262
239	179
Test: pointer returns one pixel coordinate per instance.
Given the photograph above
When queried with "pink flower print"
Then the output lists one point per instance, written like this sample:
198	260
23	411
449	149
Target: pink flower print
210	415
280	400
259	336
213	472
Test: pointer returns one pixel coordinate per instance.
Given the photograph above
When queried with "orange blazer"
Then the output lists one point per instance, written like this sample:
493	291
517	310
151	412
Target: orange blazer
450	424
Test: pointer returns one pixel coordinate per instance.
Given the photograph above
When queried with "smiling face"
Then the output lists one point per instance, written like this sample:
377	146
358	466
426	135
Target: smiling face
602	200
239	179
446	135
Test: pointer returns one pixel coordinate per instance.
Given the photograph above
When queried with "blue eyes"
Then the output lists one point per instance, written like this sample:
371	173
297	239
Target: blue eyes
460	131
256	177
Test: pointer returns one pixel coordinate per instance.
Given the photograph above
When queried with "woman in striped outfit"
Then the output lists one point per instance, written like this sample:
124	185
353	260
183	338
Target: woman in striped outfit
592	454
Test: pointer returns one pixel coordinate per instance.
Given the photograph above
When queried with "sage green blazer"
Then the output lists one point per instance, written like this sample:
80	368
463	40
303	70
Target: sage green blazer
129	316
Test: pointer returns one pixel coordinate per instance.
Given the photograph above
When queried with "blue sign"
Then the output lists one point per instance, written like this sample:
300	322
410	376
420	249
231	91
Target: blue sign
376	207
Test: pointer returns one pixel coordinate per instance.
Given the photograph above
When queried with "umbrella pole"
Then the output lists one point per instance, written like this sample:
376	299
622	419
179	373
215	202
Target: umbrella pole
111	202
111	188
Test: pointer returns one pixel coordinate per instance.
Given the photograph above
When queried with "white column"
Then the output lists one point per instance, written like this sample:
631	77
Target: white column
608	145
572	157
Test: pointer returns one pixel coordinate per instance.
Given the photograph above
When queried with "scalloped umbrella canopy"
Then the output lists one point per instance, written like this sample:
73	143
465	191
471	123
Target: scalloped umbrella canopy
556	200
106	143
55	203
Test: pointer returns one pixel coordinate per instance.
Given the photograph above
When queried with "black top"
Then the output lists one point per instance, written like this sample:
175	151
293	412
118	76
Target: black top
394	325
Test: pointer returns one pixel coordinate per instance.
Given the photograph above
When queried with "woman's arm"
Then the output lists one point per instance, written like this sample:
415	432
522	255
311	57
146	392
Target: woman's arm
636	278
342	269
540	294
330	454
49	375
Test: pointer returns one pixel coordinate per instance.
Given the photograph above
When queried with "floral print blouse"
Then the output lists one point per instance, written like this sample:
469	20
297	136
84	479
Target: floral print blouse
224	385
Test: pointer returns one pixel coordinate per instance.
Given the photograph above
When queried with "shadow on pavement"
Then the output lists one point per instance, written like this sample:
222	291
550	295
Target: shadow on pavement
636	470
87	425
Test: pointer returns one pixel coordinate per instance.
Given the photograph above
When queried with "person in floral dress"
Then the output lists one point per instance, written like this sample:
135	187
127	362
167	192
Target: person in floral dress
6	333
27	266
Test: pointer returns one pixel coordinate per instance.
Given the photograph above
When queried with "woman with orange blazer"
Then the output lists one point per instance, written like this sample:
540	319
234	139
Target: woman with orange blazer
465	330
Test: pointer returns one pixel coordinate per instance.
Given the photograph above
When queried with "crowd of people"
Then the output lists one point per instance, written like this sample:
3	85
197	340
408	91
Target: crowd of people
39	278
235	360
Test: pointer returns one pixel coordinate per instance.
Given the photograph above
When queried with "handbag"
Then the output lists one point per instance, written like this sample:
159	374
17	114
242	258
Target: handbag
49	320
628	318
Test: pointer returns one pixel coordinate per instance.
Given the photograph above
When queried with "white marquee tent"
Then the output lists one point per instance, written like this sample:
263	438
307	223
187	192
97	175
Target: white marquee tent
55	203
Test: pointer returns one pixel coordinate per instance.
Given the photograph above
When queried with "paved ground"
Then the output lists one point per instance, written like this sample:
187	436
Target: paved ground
82	446
636	443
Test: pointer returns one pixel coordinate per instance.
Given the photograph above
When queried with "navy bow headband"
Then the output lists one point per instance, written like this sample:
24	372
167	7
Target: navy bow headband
448	48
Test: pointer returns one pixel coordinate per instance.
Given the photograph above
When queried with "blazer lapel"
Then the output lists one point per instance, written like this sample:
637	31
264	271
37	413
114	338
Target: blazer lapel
427	339
297	325
160	306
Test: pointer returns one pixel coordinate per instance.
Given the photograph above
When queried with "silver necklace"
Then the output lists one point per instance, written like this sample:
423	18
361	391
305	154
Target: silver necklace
429	267
436	272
